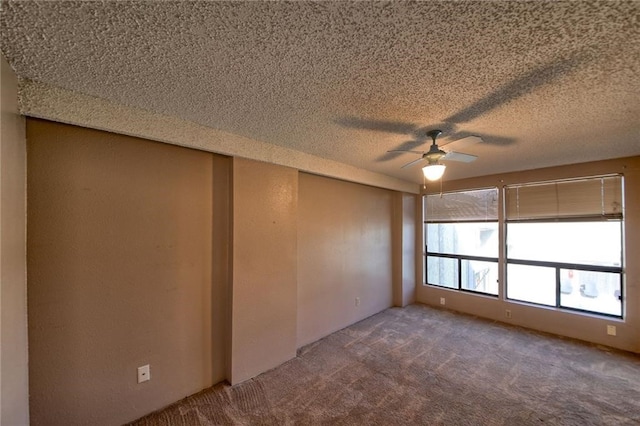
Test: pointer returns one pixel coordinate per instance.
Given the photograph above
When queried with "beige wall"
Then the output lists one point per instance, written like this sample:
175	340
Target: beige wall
221	268
344	252
119	269
403	230
408	223
133	246
265	204
585	327
14	396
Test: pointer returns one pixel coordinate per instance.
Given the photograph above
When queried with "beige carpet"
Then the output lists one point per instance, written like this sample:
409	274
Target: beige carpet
423	366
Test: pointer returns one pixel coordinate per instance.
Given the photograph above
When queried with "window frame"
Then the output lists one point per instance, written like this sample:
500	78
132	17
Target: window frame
558	266
502	260
461	257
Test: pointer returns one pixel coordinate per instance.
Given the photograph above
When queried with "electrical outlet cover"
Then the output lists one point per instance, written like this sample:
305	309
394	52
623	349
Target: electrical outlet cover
144	373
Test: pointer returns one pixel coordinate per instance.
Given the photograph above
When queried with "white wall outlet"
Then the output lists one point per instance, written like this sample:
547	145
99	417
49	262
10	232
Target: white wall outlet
611	330
357	301
442	301
144	373
507	313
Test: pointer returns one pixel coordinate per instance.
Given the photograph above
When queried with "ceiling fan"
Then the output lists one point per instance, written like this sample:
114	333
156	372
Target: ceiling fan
434	170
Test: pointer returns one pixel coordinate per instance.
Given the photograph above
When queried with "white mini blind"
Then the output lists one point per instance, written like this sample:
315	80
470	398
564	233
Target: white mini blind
465	206
597	197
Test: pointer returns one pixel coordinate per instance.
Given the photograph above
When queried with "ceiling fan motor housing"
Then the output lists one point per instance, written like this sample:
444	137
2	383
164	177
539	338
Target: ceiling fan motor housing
434	154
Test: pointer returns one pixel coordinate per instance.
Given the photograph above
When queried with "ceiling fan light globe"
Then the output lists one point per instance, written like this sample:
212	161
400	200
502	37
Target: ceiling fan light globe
433	171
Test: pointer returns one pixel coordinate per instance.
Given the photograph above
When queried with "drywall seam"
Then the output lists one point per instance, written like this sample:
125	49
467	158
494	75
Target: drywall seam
42	100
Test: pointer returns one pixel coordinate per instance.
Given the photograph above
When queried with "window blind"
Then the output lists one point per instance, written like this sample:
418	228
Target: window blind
598	197
467	206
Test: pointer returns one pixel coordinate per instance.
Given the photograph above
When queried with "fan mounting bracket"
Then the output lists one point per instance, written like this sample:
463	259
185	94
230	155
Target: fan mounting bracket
433	134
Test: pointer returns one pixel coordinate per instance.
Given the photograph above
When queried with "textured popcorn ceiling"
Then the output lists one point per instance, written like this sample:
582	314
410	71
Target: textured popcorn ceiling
544	83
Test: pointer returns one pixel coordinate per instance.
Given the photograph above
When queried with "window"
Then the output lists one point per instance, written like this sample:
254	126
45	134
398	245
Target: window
564	244
461	237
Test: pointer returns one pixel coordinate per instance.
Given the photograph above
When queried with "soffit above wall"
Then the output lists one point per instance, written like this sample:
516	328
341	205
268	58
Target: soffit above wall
53	103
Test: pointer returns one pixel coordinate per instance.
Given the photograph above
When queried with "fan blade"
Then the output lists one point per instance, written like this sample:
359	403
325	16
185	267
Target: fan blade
458	156
464	142
486	139
405	150
412	163
406	146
